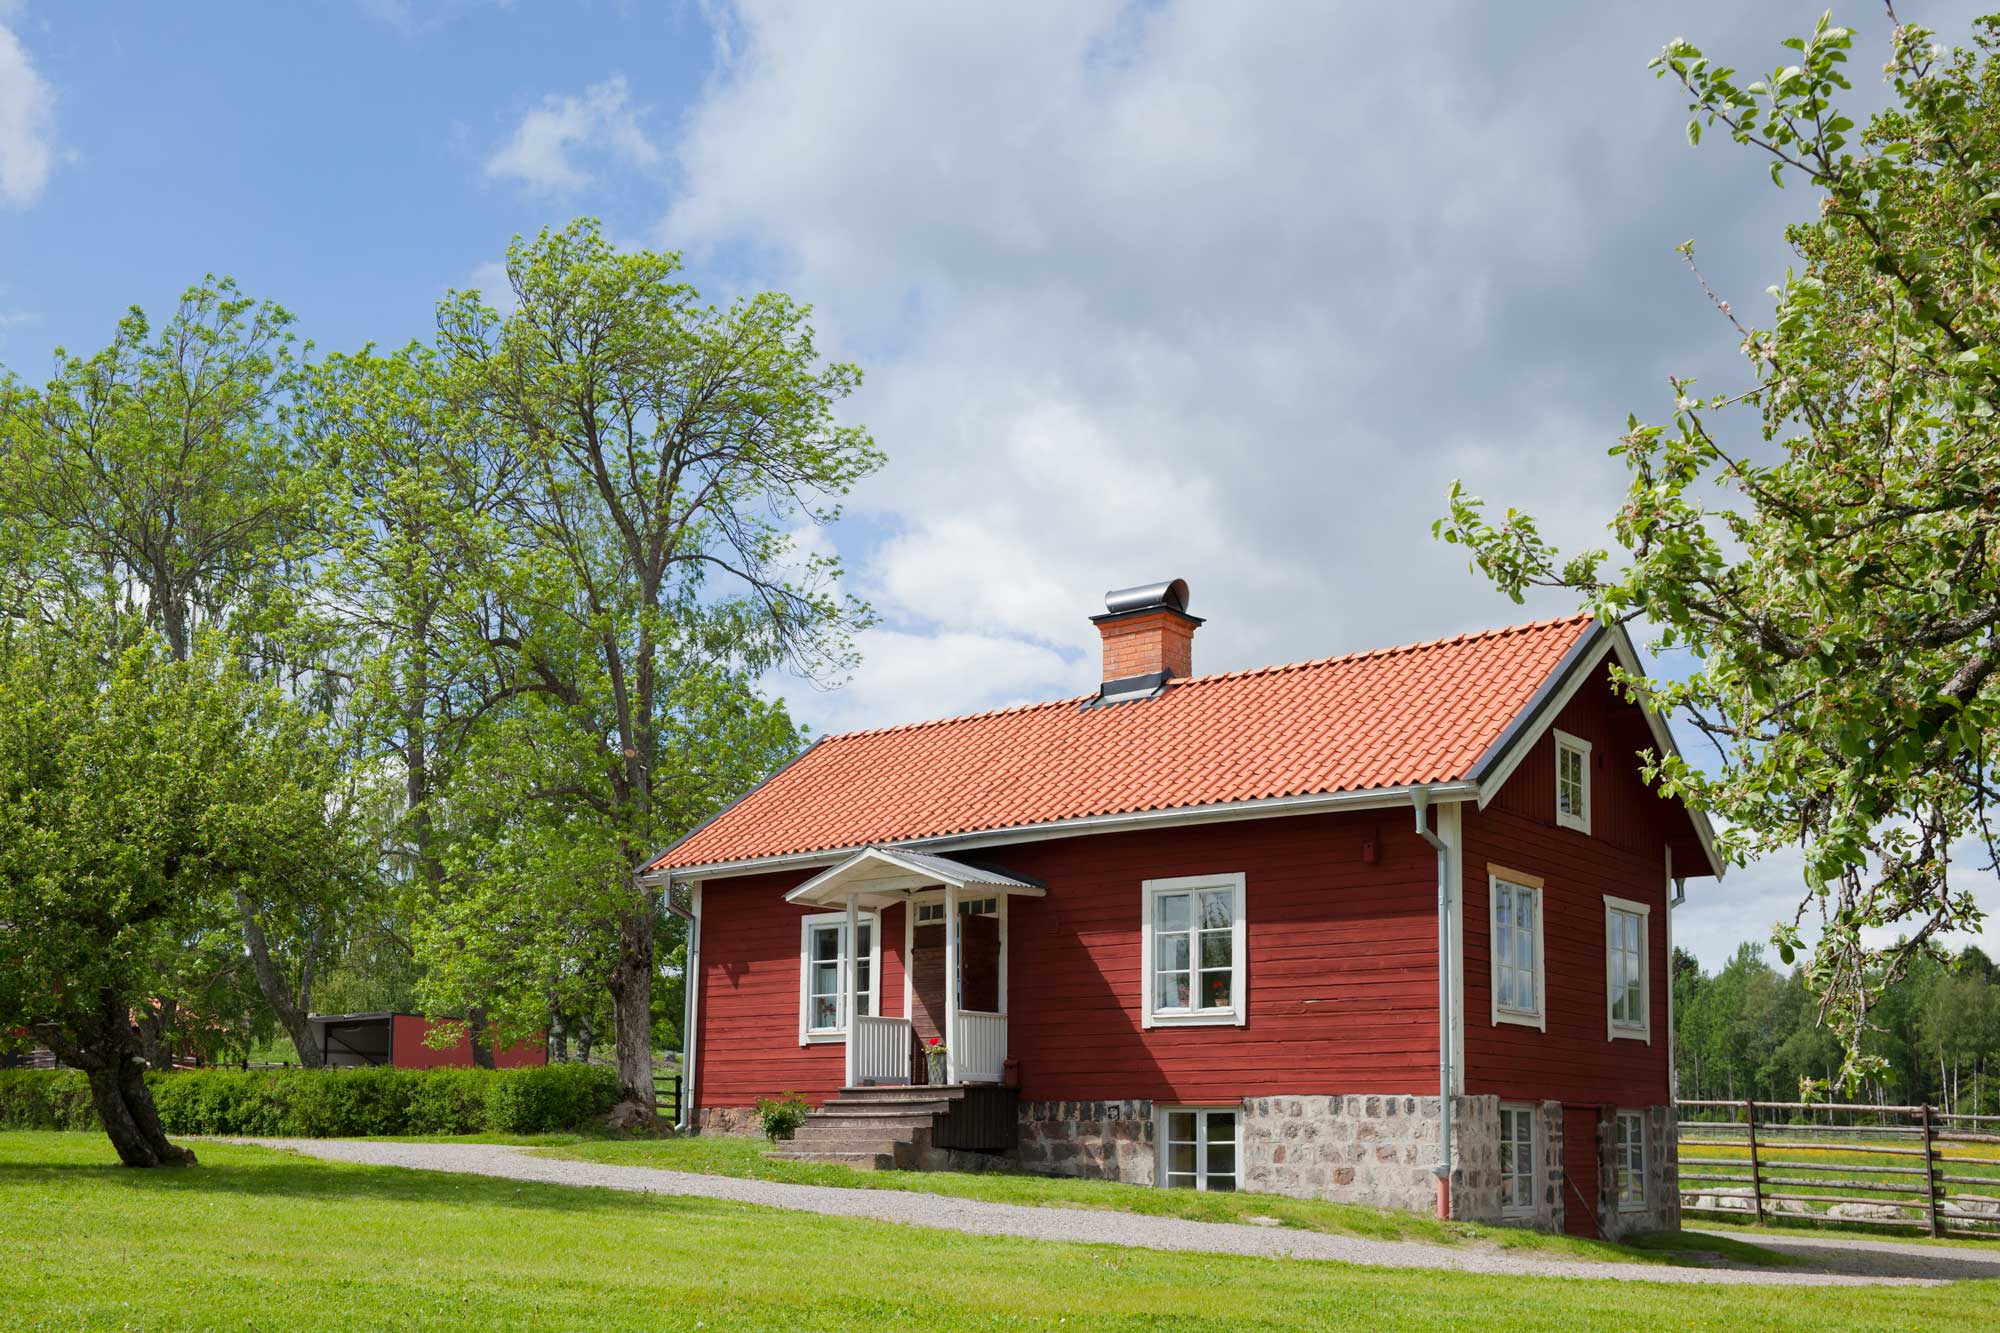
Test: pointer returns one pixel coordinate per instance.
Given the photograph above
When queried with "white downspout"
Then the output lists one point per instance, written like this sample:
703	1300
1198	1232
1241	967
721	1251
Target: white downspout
690	1005
1421	799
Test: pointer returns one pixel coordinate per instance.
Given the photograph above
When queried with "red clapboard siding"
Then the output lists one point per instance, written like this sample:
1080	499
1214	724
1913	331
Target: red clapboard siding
1341	955
1625	856
1579	1162
747	1023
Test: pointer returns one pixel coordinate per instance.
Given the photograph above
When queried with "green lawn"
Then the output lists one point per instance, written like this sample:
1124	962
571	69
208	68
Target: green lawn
260	1239
725	1155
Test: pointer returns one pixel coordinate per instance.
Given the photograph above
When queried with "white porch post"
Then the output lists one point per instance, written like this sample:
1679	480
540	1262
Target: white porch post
847	955
951	983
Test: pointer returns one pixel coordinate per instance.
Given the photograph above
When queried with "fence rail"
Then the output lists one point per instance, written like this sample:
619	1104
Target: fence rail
1884	1166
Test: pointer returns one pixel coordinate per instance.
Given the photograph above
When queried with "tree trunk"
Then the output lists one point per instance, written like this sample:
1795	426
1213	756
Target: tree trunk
108	1054
632	1015
272	985
156	1033
479	1037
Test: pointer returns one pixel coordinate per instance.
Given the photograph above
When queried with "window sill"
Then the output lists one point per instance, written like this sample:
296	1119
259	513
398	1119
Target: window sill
820	1036
1573	824
1631	1034
1208	1018
1536	1021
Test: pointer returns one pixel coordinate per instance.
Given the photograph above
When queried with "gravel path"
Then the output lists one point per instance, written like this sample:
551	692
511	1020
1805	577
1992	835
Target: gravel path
1824	1262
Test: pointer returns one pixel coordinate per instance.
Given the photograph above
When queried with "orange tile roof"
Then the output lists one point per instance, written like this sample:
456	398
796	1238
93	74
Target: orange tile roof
1420	713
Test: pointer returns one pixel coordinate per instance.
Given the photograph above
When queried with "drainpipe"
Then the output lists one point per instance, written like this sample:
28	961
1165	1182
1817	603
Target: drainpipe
690	1001
1421	799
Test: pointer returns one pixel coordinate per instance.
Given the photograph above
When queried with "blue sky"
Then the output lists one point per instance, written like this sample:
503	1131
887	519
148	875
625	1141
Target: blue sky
1142	290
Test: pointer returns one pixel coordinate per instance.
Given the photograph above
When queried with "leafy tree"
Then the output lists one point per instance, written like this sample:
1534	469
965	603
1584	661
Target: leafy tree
659	455
160	477
138	792
1821	541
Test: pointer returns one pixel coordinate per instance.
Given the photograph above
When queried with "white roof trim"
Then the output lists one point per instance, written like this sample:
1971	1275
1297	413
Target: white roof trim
1604	642
877	876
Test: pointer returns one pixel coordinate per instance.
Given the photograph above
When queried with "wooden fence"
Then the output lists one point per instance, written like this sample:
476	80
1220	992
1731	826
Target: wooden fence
1914	1167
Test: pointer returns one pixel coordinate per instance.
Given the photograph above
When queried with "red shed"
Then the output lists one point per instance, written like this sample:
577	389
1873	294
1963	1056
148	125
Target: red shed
399	1040
1390	928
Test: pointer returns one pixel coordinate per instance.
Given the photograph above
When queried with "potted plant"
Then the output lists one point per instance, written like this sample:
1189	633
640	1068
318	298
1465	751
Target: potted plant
934	1060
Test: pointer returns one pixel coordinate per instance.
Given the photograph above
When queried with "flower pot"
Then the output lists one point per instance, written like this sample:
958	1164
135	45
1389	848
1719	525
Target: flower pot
934	1063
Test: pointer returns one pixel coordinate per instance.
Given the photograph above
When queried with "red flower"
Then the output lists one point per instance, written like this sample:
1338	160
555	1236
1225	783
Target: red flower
937	1041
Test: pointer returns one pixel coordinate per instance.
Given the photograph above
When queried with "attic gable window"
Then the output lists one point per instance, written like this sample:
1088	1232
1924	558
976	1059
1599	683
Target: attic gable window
1572	782
1192	950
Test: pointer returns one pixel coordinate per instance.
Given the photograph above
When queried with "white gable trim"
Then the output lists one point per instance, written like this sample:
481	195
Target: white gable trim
1539	718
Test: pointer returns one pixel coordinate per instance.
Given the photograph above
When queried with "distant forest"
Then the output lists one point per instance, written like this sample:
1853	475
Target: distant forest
1751	1030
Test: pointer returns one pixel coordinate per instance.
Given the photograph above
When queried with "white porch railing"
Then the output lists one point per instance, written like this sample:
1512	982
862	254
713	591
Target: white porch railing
881	1050
982	1046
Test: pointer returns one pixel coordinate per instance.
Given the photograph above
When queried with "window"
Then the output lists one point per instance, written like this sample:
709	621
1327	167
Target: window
1517	1160
930	913
1630	1164
1517	948
1626	984
1198	1149
1192	944
821	1015
1572	782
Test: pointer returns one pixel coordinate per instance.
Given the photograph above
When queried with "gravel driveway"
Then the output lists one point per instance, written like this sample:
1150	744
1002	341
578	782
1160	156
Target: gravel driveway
1824	1262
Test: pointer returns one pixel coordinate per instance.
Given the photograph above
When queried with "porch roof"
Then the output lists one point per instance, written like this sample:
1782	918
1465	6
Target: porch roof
878	876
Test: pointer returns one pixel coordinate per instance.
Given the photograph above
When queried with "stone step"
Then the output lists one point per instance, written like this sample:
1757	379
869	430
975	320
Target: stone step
861	1161
888	1118
898	1092
840	1139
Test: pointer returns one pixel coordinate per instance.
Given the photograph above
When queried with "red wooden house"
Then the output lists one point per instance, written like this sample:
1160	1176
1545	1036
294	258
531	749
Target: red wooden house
1391	928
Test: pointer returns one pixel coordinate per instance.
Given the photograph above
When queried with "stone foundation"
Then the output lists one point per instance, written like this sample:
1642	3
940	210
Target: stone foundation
1475	1157
740	1121
1373	1150
1662	1210
1094	1140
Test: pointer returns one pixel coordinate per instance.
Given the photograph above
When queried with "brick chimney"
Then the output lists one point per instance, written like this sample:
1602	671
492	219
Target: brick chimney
1148	639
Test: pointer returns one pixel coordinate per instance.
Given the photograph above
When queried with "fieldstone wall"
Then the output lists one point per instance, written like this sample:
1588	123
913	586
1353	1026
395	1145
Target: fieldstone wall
1475	1164
737	1120
1662	1210
1096	1140
1369	1149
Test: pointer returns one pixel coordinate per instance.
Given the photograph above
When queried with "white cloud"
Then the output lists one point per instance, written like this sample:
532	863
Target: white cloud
28	151
547	148
489	279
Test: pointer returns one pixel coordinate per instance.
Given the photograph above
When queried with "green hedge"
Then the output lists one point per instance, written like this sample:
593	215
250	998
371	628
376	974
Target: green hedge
331	1103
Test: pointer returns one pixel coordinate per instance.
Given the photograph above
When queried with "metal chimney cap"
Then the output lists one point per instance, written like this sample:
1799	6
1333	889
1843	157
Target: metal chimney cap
1171	594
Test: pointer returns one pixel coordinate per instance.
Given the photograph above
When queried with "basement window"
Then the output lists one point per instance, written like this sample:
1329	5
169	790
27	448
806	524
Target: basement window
1572	782
1192	950
1198	1148
1630	1160
1517	1161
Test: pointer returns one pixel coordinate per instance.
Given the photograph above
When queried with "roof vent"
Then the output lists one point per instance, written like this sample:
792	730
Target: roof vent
1148	640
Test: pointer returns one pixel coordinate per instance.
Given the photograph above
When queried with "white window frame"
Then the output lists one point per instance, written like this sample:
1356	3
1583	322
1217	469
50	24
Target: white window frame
1528	1208
1201	1115
1581	748
1539	1019
1641	1030
1623	1169
1239	973
808	1034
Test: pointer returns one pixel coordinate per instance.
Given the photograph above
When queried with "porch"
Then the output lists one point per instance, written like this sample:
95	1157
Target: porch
957	917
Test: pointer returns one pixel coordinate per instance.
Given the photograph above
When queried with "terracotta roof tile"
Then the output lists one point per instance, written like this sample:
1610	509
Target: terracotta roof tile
1390	717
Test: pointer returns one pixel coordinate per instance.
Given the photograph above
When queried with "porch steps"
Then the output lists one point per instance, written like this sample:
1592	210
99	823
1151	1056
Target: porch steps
872	1128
